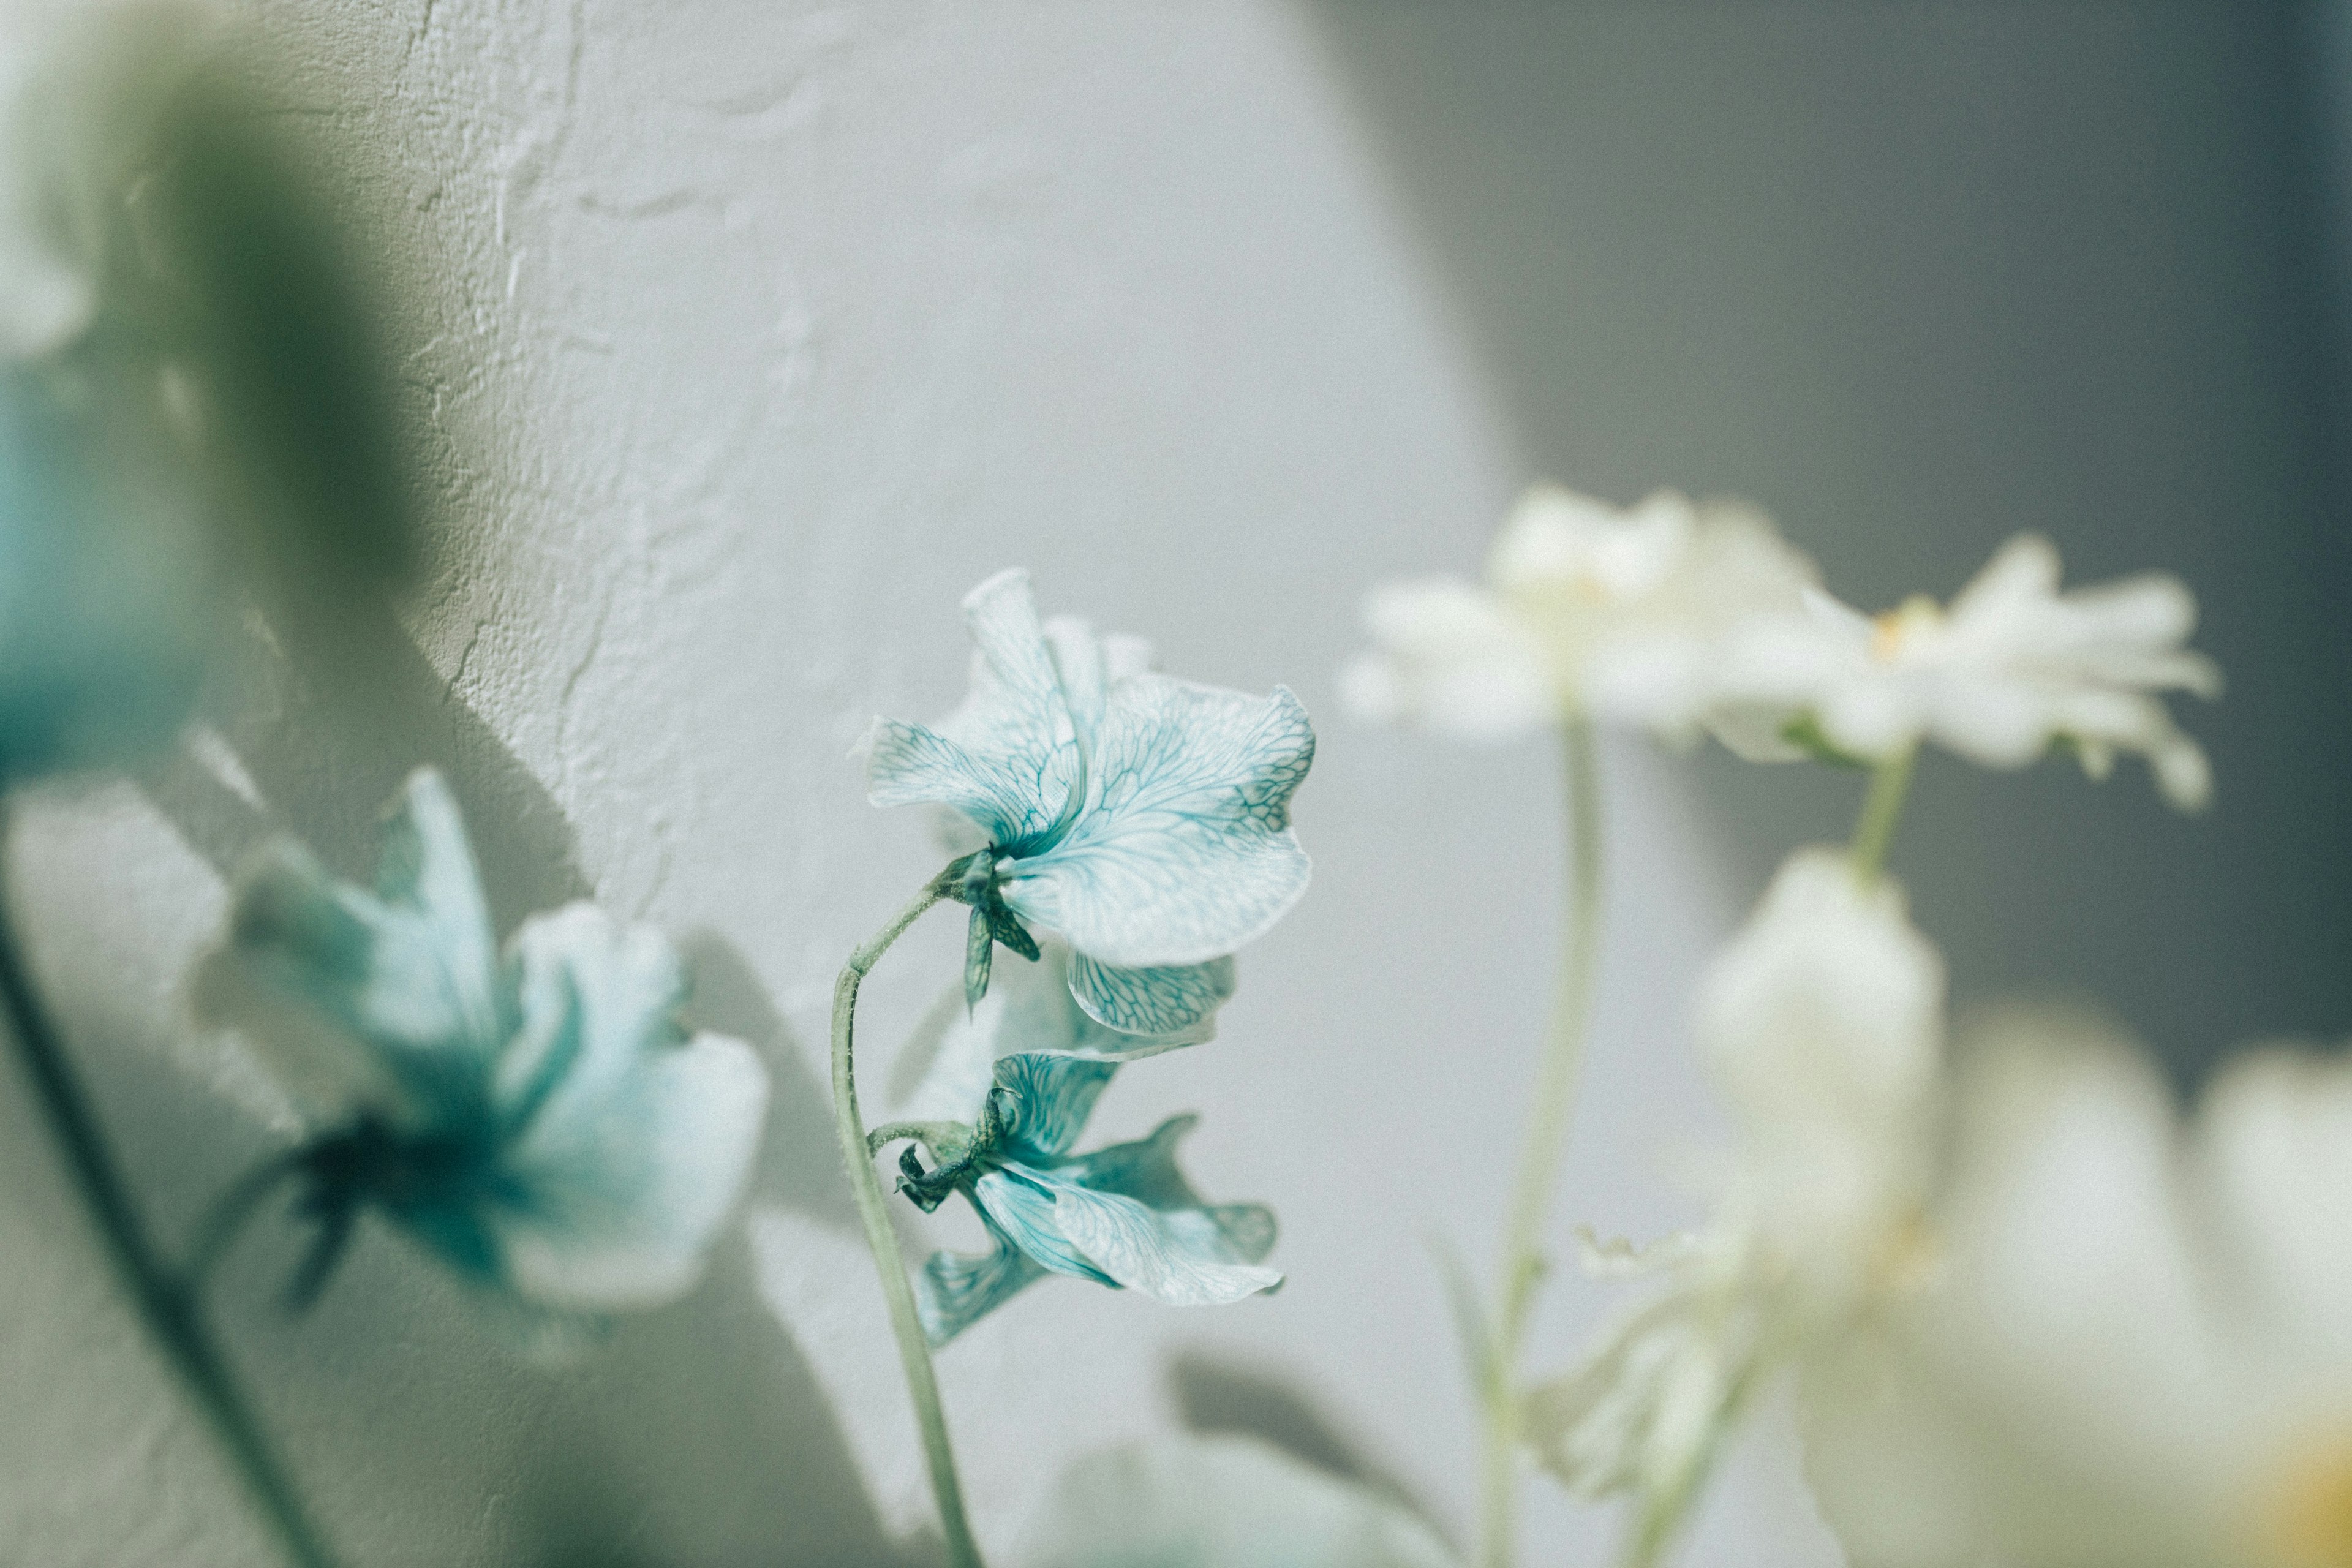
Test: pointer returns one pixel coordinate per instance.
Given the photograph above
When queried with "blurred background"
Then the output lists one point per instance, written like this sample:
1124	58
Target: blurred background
736	340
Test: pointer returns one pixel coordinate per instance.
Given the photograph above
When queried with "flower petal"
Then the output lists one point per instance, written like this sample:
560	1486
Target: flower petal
1182	1258
956	1289
1185	851
1016	1200
1049	1097
408	969
629	1148
1155	1009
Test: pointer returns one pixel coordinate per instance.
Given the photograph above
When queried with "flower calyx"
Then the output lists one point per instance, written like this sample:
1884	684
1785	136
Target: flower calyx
959	1154
368	1161
972	879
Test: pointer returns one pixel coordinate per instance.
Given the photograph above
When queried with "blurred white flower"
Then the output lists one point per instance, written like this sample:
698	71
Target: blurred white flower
1219	1502
1619	614
1822	1024
2013	666
2141	1349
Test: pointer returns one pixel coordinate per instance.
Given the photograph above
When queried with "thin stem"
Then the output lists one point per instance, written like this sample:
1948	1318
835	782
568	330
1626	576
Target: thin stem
1882	809
170	1311
914	1350
1546	1138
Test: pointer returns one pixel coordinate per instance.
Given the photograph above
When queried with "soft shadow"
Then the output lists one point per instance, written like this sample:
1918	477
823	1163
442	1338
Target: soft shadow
1217	1395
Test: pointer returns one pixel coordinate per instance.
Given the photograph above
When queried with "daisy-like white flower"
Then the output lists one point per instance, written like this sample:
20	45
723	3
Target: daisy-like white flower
1122	1215
1615	615
543	1122
1144	820
2140	1350
1220	1502
1822	1026
2011	667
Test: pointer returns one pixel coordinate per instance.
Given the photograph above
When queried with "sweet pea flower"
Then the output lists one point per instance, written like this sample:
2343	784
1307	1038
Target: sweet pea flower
1144	820
1122	1215
1220	1502
2141	1349
1822	1026
541	1122
2012	667
1616	615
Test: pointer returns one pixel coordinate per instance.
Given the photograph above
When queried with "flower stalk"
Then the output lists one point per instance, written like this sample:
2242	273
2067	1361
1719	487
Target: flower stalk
1882	809
1549	1122
897	1291
165	1302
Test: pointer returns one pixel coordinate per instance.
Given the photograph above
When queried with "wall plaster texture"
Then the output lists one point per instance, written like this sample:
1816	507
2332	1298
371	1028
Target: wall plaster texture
744	336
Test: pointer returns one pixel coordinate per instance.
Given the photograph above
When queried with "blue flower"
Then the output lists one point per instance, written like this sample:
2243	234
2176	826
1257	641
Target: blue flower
1122	1216
1145	820
543	1123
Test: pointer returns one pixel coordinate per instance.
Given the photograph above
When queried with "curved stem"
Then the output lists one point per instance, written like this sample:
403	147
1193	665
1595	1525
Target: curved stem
1881	808
169	1310
1548	1120
914	1350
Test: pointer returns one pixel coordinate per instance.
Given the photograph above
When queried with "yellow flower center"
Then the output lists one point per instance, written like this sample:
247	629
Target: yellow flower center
2305	1519
1892	628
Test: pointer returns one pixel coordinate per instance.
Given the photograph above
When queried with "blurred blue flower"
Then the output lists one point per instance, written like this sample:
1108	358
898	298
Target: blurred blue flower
1145	819
1121	1216
543	1124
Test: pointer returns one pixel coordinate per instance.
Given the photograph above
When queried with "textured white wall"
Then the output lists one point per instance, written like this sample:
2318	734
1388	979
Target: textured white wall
748	335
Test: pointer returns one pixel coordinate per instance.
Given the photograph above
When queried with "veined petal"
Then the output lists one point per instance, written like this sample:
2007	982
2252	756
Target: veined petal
956	1289
1016	1202
1049	1099
1185	851
1182	1258
1145	1011
408	969
1006	794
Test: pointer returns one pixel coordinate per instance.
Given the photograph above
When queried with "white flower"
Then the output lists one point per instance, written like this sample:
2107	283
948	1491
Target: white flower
2013	666
2141	1349
1588	609
1822	1026
1220	1502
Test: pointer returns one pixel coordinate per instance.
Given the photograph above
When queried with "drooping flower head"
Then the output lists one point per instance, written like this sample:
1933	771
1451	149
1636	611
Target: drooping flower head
1122	1215
2011	667
1144	820
543	1122
1822	1027
1221	1502
1588	609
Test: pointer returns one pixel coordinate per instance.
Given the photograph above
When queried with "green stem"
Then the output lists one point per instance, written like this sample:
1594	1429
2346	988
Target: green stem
1882	809
170	1310
914	1350
1549	1122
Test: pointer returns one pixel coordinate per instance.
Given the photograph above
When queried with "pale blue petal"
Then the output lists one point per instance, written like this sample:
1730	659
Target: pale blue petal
1046	1100
1014	703
1018	1202
1185	851
1146	1171
957	1290
1006	795
629	1146
1181	1257
409	971
1155	1008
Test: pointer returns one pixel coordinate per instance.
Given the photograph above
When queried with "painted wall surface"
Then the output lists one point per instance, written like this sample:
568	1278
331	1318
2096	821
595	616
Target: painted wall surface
742	339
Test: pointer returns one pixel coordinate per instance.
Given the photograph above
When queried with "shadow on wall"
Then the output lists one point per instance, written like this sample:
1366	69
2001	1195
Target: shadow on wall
700	1433
1916	279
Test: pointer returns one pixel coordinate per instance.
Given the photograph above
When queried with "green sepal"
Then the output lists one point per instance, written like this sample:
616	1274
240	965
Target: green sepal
958	881
1006	927
979	950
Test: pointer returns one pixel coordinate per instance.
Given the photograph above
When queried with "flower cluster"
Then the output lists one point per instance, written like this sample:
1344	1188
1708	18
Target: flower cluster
1683	619
1134	831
